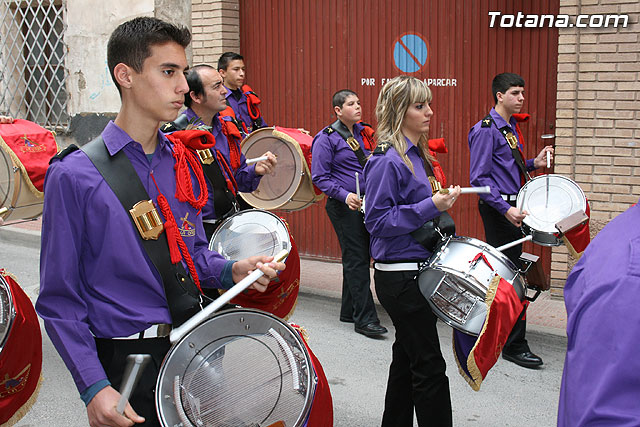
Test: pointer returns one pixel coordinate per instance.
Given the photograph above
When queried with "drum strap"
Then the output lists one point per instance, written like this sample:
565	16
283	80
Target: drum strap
343	131
118	172
511	139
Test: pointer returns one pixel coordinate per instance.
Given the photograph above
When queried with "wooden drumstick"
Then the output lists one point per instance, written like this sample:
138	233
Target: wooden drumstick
514	243
469	190
135	365
206	312
257	159
357	186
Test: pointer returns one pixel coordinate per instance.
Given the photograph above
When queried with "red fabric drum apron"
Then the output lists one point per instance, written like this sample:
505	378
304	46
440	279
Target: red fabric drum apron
20	351
289	187
25	150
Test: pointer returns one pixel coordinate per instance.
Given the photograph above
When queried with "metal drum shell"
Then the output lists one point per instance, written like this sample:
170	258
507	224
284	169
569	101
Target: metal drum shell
537	223
451	262
7	312
225	326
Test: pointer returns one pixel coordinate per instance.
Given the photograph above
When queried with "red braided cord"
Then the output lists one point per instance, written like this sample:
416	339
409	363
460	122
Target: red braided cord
184	187
232	185
175	237
234	150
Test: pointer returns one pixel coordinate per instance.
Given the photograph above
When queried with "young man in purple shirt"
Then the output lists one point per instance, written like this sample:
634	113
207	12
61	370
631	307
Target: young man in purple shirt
600	381
333	170
101	298
493	164
240	97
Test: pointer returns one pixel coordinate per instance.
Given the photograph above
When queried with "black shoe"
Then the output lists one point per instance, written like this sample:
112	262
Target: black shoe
346	319
526	359
371	330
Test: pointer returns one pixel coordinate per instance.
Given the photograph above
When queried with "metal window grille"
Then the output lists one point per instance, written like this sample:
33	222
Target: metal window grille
32	58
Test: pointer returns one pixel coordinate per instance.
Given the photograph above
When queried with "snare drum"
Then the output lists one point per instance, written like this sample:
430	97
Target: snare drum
457	277
289	186
257	232
15	194
549	199
238	368
25	150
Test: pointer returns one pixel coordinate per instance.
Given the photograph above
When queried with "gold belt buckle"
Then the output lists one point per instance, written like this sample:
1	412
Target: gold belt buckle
353	143
146	218
206	157
512	140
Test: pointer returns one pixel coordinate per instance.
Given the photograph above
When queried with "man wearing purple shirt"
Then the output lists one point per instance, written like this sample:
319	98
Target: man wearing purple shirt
492	163
101	298
601	380
204	101
333	170
239	95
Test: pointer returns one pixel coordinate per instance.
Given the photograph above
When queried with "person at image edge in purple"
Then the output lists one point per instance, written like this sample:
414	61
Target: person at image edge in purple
493	163
333	170
399	201
101	298
601	377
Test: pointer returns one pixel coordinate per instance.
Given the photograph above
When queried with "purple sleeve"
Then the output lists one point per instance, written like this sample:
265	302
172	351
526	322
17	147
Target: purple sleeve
61	303
480	167
322	153
386	215
246	176
530	166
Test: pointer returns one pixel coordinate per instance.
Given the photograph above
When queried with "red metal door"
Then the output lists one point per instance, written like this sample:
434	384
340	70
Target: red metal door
298	53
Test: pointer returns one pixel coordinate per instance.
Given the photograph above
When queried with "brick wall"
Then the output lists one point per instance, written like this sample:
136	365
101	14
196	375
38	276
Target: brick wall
598	116
216	29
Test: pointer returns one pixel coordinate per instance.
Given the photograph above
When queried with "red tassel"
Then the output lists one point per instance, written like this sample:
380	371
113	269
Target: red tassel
171	228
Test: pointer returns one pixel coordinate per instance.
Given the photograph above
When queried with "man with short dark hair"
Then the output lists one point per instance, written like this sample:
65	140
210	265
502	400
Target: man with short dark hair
496	161
240	97
101	296
339	152
205	101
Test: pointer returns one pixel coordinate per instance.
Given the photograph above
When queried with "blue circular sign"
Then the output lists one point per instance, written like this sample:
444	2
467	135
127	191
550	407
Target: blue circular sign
410	53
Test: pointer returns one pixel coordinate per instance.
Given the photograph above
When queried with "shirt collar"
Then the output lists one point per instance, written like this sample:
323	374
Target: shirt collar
500	121
115	139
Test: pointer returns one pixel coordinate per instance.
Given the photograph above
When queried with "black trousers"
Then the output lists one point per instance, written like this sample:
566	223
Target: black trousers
417	379
357	301
499	231
113	357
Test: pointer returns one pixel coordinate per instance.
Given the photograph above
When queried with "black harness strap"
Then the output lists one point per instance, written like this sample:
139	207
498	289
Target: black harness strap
183	297
343	131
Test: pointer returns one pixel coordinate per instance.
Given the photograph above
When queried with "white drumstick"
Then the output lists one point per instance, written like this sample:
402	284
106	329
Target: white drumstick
514	243
257	159
548	160
139	361
357	186
470	190
206	312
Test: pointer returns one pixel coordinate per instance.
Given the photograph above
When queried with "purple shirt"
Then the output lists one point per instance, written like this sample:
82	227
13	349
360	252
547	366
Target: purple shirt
492	163
334	165
245	175
95	277
398	202
601	377
240	108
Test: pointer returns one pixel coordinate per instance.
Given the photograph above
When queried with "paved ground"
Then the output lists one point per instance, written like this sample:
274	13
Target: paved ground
356	367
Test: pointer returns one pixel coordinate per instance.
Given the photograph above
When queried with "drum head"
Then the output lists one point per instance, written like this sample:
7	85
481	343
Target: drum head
7	312
564	198
276	188
239	368
249	233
